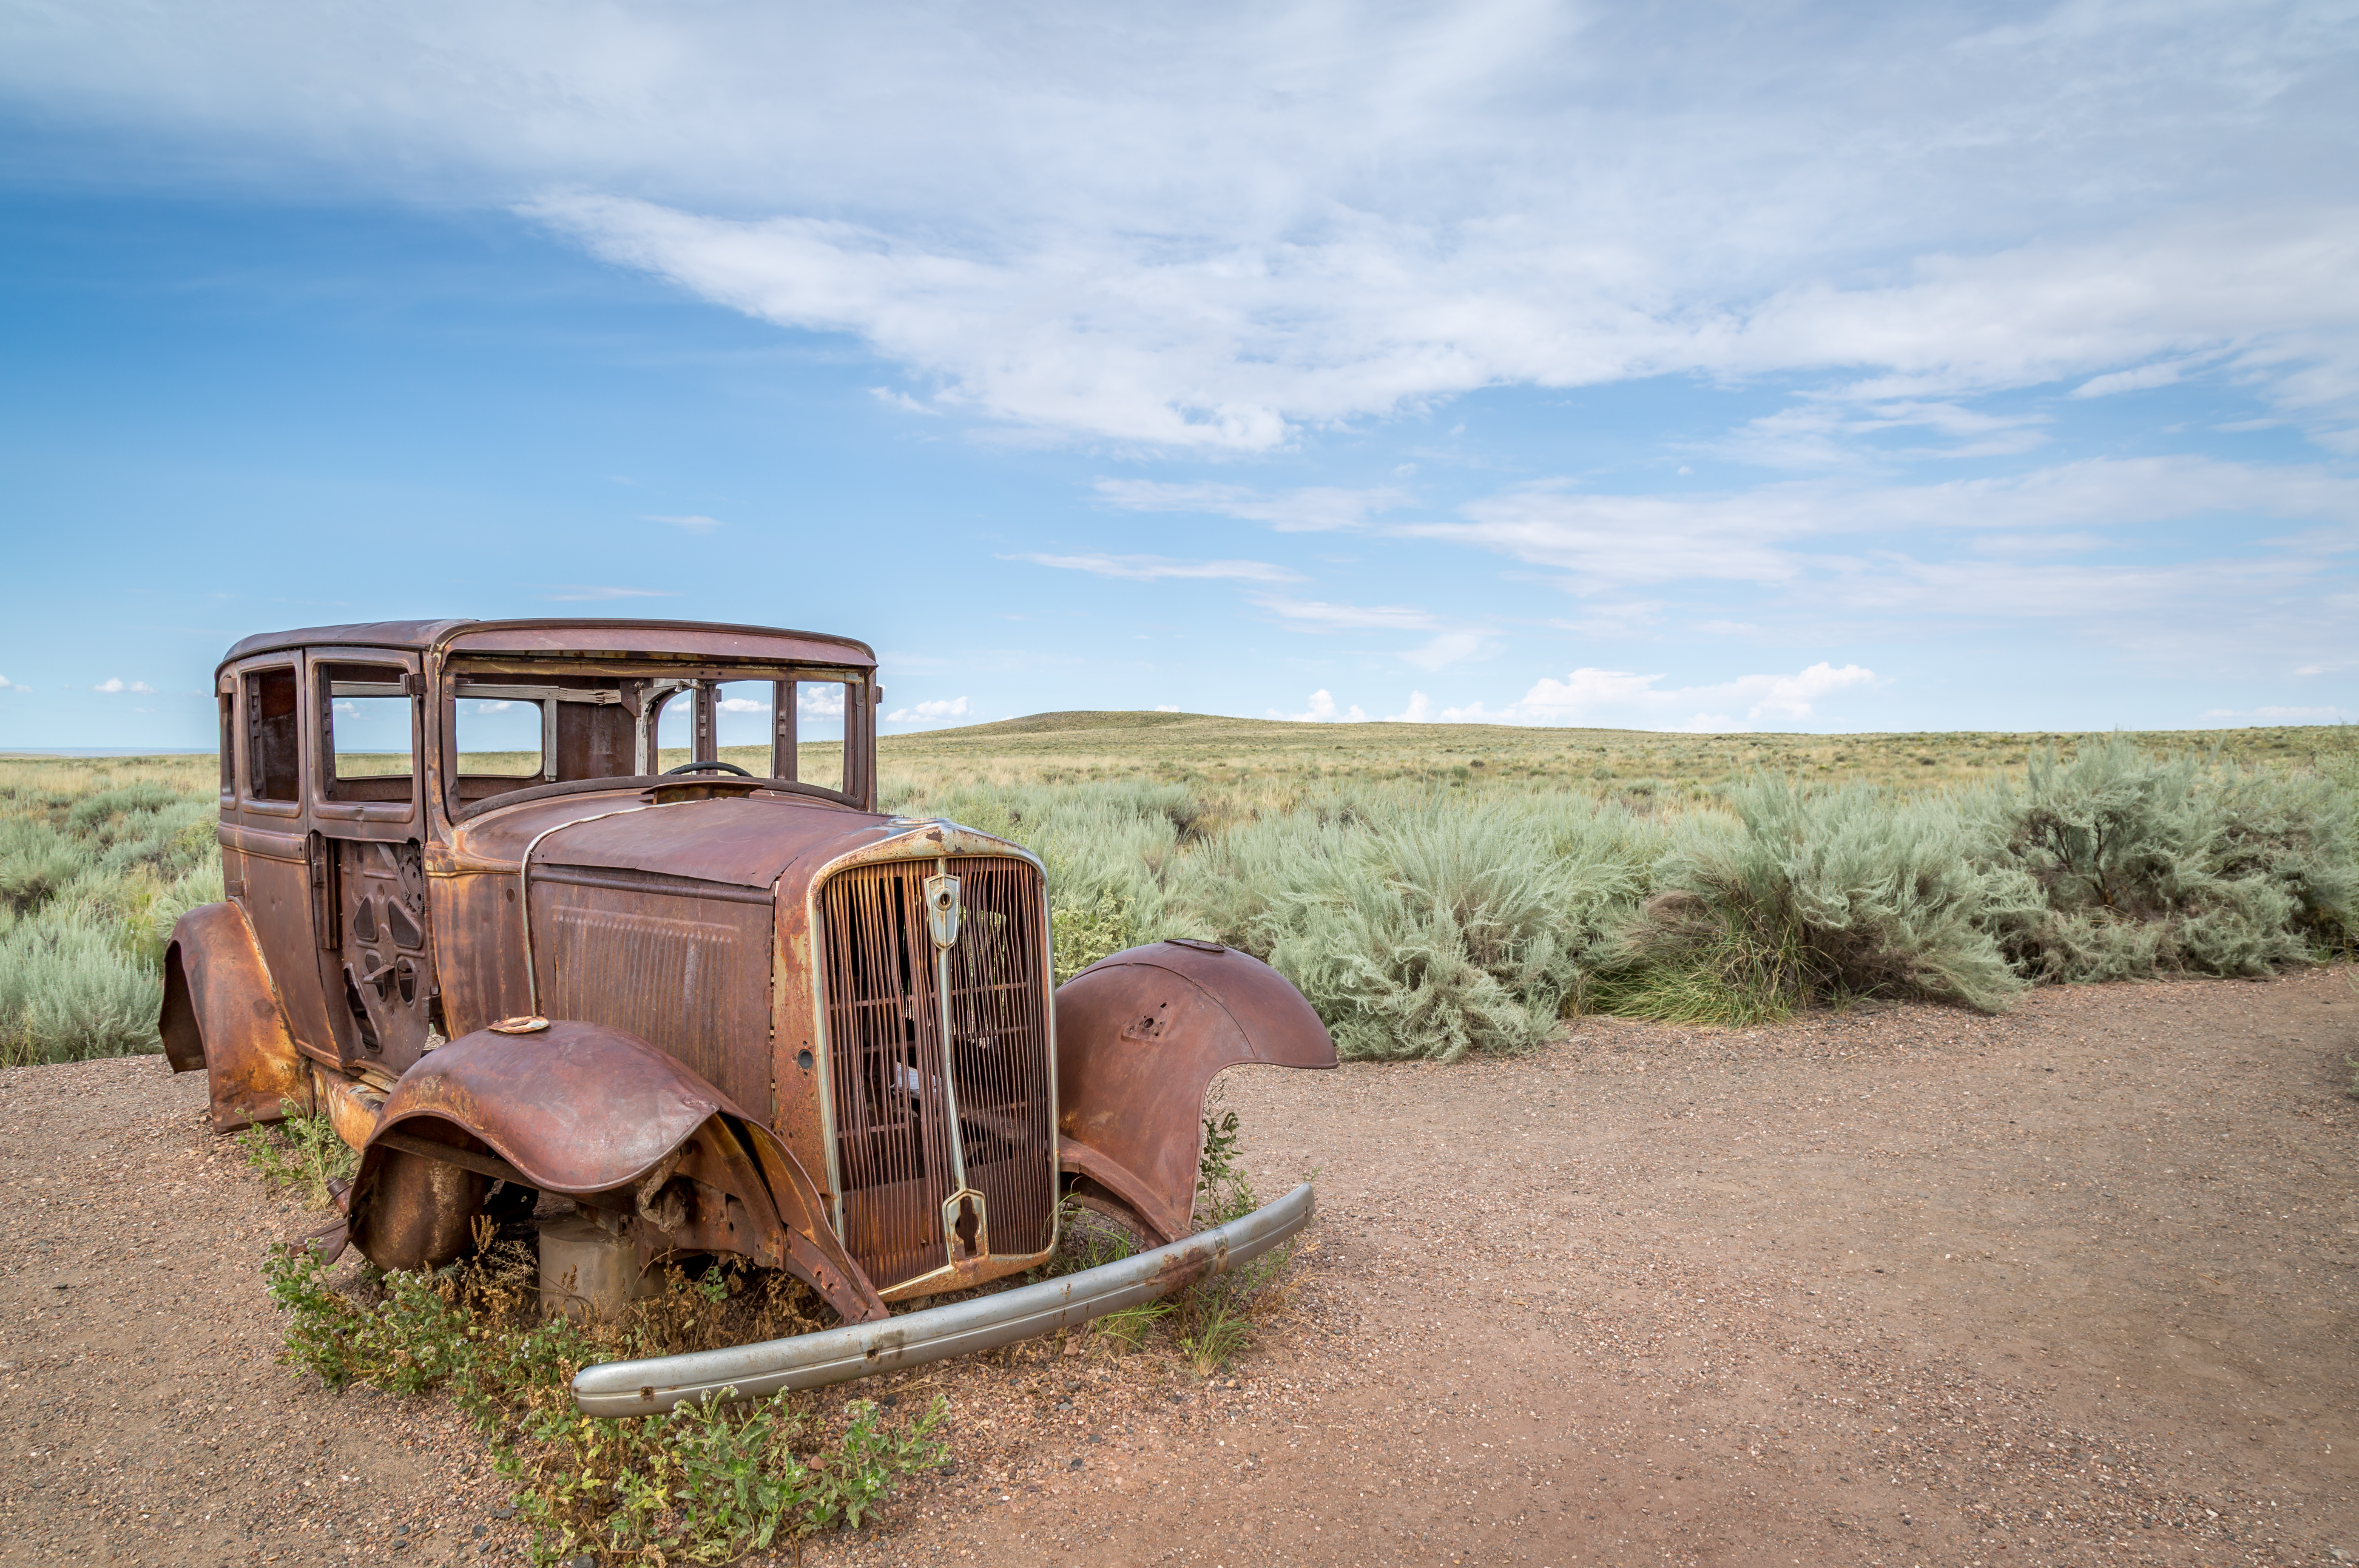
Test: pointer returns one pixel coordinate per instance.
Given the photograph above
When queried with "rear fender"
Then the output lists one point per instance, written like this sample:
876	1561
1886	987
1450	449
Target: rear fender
221	1014
603	1117
1140	1037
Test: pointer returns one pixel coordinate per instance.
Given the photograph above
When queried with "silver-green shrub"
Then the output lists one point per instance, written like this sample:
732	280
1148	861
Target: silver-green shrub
69	990
2175	864
1796	894
1423	926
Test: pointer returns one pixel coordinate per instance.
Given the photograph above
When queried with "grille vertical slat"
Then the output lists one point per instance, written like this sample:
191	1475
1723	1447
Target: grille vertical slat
885	1059
1001	1054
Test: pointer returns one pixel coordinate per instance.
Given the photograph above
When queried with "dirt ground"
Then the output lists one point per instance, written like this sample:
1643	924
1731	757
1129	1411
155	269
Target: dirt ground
1898	1287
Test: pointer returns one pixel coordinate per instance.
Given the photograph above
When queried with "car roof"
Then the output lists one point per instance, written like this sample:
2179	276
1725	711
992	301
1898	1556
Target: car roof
558	634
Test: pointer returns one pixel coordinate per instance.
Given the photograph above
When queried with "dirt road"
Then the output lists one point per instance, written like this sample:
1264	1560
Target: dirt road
1908	1286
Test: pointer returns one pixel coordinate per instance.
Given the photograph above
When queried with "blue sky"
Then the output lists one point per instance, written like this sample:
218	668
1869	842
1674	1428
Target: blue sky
1779	367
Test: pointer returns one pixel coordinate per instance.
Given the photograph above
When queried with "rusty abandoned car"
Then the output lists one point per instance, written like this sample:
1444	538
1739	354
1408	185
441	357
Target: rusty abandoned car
473	921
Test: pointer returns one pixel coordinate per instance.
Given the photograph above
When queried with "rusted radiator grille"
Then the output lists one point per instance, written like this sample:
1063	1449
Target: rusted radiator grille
887	1063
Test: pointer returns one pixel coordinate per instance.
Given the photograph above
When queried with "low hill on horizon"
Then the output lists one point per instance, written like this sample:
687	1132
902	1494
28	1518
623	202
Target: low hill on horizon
1072	744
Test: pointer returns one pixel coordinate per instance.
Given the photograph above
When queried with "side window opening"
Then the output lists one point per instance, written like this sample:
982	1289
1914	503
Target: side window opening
371	730
273	770
228	744
674	724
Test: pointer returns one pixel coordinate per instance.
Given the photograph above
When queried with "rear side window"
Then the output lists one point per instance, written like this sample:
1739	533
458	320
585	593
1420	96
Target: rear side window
272	727
371	730
228	742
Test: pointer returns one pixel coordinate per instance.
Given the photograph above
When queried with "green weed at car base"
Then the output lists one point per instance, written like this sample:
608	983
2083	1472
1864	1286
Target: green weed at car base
301	1152
706	1484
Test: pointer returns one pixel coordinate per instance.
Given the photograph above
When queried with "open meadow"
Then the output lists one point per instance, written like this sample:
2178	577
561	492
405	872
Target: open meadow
1438	888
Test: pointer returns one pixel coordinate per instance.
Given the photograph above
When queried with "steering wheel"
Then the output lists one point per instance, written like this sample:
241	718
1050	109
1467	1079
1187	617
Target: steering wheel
716	762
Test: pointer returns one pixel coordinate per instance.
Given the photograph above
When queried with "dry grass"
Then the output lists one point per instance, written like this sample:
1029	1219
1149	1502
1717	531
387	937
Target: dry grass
1267	758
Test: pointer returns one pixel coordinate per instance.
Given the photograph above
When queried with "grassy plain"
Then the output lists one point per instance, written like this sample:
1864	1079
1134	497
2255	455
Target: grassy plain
1158	823
1207	750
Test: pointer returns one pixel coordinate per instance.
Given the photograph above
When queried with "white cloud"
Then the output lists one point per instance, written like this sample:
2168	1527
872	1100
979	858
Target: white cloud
741	705
2281	715
575	592
1215	227
1317	615
1149	568
1309	510
1418	712
1616	697
694	522
822	700
2162	372
1777	534
1322	712
935	712
8	685
1167	707
1609	621
900	401
117	683
1449	647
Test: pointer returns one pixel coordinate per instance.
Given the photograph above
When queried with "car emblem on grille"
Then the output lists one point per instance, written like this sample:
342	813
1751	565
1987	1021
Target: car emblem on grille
942	908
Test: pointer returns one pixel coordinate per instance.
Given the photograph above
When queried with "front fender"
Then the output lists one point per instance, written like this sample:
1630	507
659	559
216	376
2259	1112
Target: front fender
221	1014
603	1117
1140	1037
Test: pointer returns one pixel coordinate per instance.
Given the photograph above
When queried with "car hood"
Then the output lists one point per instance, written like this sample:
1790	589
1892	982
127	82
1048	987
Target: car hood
750	841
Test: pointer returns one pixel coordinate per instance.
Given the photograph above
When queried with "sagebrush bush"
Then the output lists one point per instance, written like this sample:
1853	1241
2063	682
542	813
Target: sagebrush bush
68	991
37	862
2175	864
1424	927
1798	895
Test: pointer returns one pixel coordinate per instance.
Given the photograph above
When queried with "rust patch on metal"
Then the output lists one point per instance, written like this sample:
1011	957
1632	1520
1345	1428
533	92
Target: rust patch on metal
1140	1037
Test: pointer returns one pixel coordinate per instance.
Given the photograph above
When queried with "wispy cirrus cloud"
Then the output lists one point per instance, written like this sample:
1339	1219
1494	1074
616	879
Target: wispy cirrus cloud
1776	534
1318	615
1306	509
693	522
114	683
1153	568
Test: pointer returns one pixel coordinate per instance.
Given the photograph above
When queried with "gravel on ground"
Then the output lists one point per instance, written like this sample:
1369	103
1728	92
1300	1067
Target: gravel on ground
1897	1285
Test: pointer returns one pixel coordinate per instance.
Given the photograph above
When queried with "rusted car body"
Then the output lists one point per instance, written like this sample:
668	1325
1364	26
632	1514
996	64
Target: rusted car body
725	1011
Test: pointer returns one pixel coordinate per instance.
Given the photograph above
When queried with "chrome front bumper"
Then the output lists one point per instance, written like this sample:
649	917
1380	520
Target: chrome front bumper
861	1350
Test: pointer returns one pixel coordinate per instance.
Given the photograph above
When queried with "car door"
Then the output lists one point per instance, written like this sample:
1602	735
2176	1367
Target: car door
375	938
